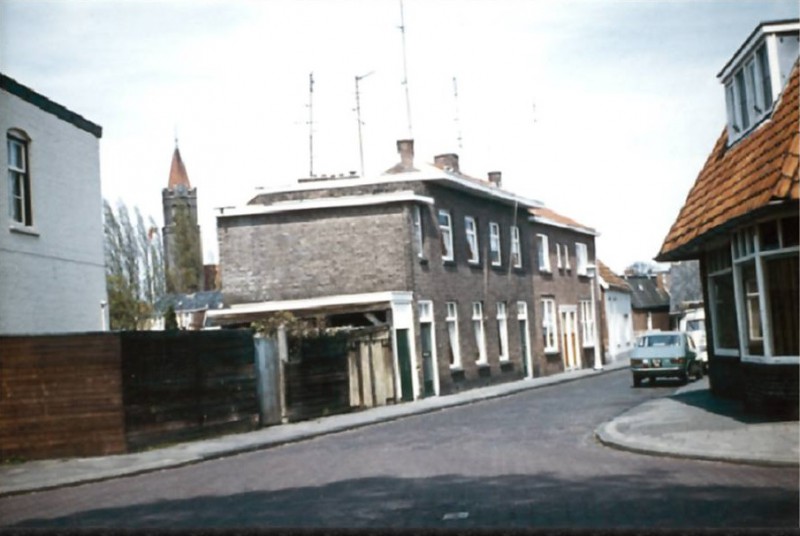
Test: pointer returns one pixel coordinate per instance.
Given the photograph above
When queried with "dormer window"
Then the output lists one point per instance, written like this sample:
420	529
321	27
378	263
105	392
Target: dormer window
749	77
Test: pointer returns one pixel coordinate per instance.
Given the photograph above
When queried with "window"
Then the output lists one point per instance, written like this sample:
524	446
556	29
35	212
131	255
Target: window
494	243
477	327
425	311
582	256
587	320
516	248
452	334
419	237
741	100
784	301
19	181
502	331
765	81
566	257
543	252
471	231
549	325
559	264
446	228
755	335
524	338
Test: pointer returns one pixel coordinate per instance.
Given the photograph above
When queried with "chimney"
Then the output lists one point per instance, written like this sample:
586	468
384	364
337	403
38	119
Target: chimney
406	150
447	162
495	177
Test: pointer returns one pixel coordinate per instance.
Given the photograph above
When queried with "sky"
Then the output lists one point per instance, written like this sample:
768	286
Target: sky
604	110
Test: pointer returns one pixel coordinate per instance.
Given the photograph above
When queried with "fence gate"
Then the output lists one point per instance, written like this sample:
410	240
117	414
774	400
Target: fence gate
371	366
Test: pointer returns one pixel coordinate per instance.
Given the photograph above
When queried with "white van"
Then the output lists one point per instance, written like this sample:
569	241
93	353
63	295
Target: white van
693	322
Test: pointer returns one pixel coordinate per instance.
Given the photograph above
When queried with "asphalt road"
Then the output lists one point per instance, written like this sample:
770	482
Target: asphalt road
527	460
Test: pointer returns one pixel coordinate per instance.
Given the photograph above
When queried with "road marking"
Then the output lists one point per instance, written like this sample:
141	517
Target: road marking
455	515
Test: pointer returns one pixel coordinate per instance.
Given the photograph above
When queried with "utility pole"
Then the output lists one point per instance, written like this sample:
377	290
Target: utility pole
310	124
405	70
358	118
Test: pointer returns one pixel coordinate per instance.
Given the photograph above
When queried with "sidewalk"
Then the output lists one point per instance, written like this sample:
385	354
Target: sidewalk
684	426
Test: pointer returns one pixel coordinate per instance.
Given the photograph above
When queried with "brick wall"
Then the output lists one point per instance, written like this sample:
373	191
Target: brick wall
314	253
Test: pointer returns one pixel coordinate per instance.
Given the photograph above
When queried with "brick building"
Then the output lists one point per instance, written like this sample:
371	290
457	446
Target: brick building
445	259
740	220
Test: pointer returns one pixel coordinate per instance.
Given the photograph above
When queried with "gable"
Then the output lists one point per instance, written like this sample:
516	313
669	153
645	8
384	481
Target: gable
736	181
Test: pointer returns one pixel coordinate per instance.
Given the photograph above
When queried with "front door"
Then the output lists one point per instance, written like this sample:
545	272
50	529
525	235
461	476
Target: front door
404	362
569	336
426	334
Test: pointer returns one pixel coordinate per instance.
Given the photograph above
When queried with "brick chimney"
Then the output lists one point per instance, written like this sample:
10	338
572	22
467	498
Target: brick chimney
406	150
447	162
495	177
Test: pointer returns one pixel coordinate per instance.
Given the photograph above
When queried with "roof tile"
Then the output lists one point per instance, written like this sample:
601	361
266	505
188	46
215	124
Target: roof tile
736	180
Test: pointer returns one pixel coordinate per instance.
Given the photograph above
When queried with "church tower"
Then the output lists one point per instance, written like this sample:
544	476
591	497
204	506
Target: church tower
183	254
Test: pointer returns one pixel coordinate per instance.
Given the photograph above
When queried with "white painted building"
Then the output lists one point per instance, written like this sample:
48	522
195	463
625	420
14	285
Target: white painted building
52	266
618	337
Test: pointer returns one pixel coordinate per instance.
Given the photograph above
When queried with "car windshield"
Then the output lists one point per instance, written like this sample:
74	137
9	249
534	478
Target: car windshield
658	340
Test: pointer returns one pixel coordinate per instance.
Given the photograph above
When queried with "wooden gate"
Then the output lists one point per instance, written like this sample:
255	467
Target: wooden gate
371	366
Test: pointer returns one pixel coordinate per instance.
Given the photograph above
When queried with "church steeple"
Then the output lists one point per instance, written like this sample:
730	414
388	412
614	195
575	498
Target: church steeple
183	254
177	171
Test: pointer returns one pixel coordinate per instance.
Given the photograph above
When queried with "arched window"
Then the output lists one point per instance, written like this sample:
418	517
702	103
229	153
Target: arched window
19	177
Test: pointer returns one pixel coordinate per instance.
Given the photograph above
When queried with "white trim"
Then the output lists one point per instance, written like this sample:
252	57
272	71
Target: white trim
311	303
502	331
494	238
429	319
473	232
764	31
456	348
427	173
324	203
775	360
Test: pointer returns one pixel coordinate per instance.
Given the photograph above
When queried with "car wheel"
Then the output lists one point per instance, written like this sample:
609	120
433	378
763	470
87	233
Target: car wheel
637	380
684	377
698	369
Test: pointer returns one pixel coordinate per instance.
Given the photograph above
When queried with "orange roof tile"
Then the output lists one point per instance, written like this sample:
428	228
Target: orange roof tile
736	180
546	213
611	278
177	172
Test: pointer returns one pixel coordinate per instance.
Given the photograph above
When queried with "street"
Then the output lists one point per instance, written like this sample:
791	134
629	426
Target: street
526	460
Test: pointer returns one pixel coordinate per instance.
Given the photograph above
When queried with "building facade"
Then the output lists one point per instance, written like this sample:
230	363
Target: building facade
445	259
740	220
617	314
52	266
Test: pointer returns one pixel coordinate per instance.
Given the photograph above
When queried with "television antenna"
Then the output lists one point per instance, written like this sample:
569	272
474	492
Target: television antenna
310	106
457	119
405	69
358	118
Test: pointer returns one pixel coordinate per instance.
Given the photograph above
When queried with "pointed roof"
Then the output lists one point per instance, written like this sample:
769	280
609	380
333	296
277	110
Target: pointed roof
611	279
756	171
550	217
177	171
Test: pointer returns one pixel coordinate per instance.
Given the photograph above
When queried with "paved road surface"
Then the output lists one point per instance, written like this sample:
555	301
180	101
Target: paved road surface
528	460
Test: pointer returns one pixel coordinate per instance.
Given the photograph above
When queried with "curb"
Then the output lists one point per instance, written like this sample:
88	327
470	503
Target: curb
360	419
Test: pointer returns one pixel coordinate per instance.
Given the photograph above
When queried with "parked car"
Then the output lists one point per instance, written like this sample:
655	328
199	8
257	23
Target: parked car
665	354
693	323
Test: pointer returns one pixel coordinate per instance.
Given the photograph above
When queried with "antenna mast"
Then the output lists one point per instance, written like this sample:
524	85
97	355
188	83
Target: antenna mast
457	120
405	69
310	124
358	118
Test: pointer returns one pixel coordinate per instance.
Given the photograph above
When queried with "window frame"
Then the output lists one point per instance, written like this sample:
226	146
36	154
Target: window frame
446	235
502	331
588	323
543	252
516	247
549	325
20	195
419	231
451	321
582	258
471	234
495	247
479	331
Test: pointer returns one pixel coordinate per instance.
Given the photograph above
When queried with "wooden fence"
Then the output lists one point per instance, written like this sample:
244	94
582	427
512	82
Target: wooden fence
110	393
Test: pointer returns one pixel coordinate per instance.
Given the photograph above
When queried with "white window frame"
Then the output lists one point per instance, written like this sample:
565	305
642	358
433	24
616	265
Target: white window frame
588	323
559	264
502	330
567	264
549	325
543	252
480	332
495	253
19	180
425	309
582	258
471	232
516	248
446	232
451	321
419	237
522	318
